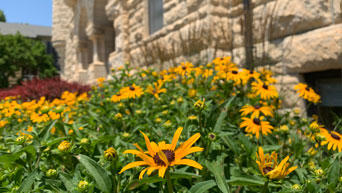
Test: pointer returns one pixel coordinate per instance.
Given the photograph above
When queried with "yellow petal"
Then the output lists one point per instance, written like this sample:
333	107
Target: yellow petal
182	154
163	157
141	175
132	165
148	144
188	162
161	172
176	137
189	142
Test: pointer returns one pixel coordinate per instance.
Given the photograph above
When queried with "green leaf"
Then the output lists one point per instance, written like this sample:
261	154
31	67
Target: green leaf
70	186
223	115
218	171
230	143
334	172
27	183
202	186
245	181
99	173
149	180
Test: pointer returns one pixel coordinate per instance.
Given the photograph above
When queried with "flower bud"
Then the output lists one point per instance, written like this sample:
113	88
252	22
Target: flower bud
110	154
319	172
20	140
118	116
84	141
64	146
82	186
199	105
296	187
212	136
51	173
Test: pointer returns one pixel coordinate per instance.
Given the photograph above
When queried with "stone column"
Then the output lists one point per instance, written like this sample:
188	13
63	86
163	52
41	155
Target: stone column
97	68
82	58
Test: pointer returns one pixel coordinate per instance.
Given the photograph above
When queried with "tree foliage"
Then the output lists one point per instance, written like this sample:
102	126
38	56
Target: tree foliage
18	53
2	16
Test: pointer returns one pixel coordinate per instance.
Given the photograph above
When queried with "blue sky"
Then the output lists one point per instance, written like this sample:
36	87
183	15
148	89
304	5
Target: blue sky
35	12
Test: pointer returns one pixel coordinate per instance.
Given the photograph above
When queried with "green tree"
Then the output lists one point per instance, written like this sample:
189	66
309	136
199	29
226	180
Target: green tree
2	16
28	55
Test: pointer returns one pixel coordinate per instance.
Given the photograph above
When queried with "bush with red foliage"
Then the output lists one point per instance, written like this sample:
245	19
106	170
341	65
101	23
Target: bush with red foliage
51	88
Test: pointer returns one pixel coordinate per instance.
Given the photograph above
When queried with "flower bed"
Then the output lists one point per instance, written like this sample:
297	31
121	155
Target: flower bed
212	128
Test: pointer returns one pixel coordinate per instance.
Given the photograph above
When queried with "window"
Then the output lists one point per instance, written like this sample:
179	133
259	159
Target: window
155	15
328	84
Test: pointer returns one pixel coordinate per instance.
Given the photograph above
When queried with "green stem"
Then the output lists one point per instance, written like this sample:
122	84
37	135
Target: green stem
168	180
265	188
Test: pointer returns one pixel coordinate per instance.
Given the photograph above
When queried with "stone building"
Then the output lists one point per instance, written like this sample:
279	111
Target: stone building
298	39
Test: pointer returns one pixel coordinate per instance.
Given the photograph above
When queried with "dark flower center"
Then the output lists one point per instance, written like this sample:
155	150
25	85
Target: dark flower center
170	155
234	72
212	136
221	58
256	121
257	106
335	136
184	67
118	95
251	72
162	78
267	169
307	88
131	88
265	86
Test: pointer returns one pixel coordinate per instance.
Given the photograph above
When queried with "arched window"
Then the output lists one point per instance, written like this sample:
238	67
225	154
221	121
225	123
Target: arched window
155	15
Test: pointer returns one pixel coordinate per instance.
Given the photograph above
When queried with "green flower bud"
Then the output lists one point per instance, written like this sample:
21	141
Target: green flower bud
51	173
83	186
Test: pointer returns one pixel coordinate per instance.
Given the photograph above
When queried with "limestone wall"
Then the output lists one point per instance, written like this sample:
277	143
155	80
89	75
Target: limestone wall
291	36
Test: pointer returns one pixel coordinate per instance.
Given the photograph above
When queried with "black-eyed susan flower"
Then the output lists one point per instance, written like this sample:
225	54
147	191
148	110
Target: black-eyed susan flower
132	91
256	125
265	90
222	60
247	75
156	90
256	110
268	165
117	97
83	186
333	139
192	117
207	73
161	156
307	93
185	68
118	116
192	93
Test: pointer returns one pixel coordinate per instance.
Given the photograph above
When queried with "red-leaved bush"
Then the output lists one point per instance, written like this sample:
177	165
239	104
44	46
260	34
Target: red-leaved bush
51	88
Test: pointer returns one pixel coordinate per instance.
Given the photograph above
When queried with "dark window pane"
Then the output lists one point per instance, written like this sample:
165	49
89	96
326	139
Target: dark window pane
155	9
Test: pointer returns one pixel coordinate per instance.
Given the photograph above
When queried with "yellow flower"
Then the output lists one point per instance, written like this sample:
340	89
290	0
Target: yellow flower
284	128
255	110
3	123
192	117
156	90
83	186
132	91
168	123
110	154
184	69
207	73
117	97
158	120
255	125
199	104
192	93
165	112
265	90
295	186
64	146
125	134
161	156
118	116
307	93
268	165
333	139
179	99
296	110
